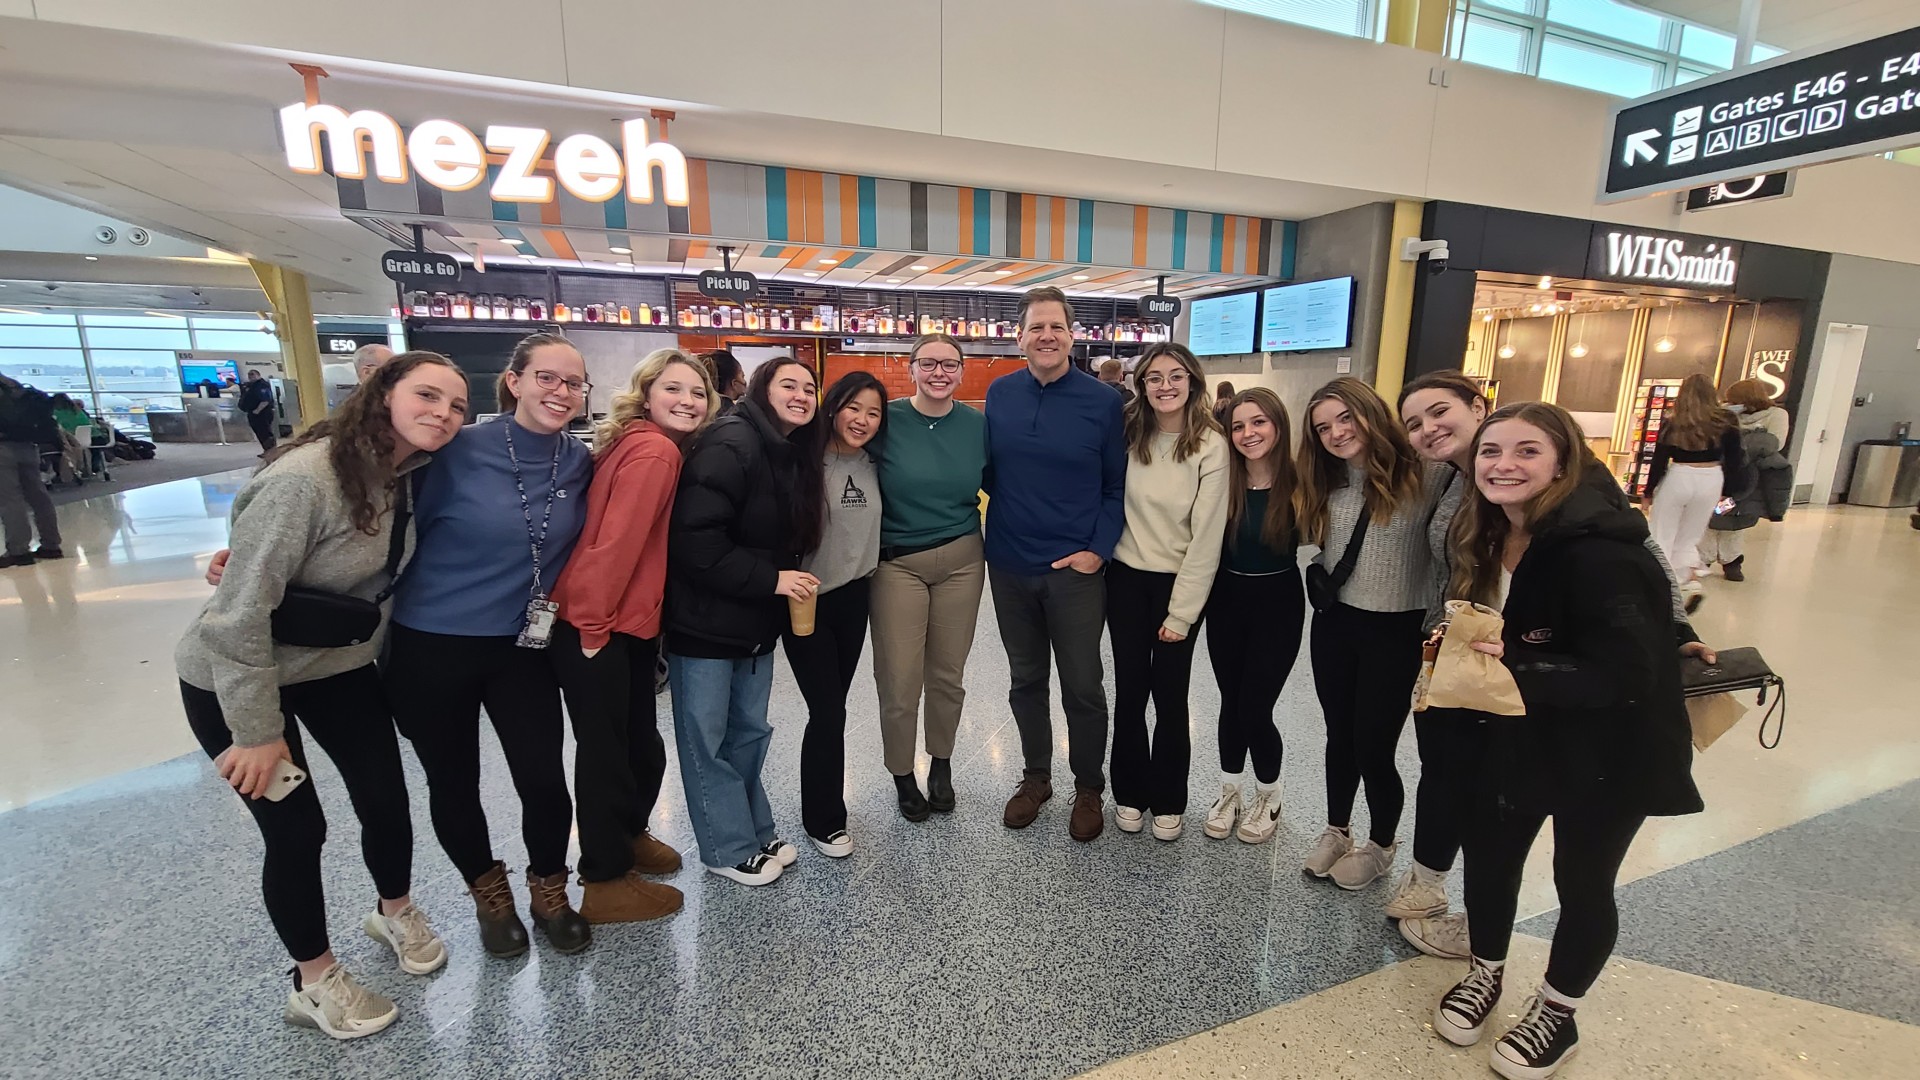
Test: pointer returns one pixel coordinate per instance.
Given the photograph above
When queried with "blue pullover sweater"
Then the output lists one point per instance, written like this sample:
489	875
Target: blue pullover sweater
1056	470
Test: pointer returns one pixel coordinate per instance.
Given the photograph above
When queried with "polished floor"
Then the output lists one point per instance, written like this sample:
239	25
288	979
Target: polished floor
1774	935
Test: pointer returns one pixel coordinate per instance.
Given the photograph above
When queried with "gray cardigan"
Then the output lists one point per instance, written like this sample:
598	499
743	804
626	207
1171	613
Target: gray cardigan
291	525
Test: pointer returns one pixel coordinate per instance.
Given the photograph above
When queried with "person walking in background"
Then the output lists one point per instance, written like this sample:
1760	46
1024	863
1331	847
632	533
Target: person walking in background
1605	741
607	635
749	506
1696	462
263	414
1767	489
854	415
1056	481
1255	615
1114	374
728	378
1157	584
926	592
327	514
26	424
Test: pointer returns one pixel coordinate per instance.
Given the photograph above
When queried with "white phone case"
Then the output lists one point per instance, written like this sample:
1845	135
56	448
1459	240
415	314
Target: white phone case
286	777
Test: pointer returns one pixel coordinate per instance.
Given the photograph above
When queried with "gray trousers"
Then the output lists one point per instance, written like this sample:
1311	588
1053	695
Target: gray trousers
1056	616
20	491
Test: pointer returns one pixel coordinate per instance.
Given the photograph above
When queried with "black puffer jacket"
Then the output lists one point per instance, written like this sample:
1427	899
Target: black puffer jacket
1591	642
731	535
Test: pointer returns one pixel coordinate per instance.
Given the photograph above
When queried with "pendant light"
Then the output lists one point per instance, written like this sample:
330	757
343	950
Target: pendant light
1506	348
1666	342
1579	347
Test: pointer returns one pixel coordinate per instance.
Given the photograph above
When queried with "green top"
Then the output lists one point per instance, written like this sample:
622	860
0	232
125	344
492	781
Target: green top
930	474
72	420
1246	553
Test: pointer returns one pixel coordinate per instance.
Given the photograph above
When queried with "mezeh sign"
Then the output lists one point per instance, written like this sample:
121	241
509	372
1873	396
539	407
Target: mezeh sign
1847	102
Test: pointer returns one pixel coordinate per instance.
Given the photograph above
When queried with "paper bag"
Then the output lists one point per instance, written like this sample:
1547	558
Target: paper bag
1713	715
1464	677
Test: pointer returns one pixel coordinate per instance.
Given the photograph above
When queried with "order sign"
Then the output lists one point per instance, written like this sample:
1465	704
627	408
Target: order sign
1857	100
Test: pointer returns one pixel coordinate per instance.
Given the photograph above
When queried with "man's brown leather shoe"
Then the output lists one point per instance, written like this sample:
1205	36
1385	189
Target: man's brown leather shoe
1089	815
1025	804
651	856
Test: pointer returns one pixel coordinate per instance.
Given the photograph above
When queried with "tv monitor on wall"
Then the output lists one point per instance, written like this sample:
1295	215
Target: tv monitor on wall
1307	316
1223	325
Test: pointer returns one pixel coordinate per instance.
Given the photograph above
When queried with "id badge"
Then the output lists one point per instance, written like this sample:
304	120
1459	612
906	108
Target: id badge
539	627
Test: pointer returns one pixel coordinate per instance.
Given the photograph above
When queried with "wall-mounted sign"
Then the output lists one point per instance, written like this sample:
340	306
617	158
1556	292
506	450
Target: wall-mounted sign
1860	99
736	285
1159	308
451	157
1623	254
420	269
1773	185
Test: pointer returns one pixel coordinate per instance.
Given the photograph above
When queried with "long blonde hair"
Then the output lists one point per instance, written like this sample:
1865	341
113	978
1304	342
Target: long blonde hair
1393	471
1280	510
1140	424
1698	421
1478	537
631	404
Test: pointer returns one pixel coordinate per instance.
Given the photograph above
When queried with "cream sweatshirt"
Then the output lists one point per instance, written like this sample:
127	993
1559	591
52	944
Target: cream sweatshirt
1176	520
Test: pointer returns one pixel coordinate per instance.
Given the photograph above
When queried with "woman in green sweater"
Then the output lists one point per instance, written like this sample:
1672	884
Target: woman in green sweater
926	592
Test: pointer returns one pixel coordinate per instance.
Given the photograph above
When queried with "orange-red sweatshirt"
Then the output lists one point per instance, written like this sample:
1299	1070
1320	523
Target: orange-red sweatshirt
618	572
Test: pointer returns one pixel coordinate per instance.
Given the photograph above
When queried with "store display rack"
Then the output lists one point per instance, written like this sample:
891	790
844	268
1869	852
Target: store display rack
1652	405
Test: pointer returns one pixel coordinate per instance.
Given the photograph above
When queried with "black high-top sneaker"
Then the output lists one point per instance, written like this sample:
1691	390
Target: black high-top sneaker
1539	1044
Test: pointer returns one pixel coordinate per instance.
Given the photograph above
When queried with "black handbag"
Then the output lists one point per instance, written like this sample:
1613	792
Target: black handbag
1323	588
317	619
1734	670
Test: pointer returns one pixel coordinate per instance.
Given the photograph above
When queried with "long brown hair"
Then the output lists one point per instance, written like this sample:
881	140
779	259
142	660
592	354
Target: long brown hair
808	512
1478	536
1697	421
361	434
1393	471
517	365
630	404
1140	424
1280	511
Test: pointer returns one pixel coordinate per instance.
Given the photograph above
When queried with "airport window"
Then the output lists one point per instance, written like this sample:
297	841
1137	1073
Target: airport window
1493	43
1597	68
1607	18
1354	18
1601	45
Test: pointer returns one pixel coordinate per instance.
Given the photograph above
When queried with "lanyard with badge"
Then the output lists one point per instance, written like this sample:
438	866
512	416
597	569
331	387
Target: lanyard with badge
540	610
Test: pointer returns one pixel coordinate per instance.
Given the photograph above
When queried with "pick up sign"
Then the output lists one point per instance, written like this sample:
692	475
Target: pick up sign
736	285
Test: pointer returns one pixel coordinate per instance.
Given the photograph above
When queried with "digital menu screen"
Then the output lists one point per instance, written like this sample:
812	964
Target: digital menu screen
1310	315
1222	325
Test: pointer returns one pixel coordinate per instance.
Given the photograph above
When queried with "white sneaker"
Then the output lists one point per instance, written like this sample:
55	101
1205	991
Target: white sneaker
1364	865
340	1007
837	846
1224	812
1263	817
780	851
1444	936
761	869
1333	845
419	949
1129	819
1167	826
1419	896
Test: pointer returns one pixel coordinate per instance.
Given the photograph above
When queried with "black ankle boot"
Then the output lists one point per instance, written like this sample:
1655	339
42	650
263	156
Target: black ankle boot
913	805
1733	571
940	785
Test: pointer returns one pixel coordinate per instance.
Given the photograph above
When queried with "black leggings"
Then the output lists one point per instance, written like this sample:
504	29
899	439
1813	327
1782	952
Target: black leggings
823	663
1453	750
437	683
1364	666
619	758
347	715
1148	774
1589	844
1254	624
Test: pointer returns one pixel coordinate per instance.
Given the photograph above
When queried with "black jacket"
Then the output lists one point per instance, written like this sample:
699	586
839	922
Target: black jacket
731	535
28	417
1591	641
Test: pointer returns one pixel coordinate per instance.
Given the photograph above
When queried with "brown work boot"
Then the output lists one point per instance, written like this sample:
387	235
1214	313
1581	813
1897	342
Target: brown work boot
630	898
1089	815
650	856
1025	804
553	913
502	933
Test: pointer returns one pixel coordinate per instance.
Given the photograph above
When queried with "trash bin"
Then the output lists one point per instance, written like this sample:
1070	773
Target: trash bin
1886	472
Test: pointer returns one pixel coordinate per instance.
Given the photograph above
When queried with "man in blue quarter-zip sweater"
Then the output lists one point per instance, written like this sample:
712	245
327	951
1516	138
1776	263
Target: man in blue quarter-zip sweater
1056	477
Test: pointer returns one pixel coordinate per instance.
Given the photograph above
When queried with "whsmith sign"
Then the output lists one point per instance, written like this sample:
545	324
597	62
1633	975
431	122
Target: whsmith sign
1621	254
1851	101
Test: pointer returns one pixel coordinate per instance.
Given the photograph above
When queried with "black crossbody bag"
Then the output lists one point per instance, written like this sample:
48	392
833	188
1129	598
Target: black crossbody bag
1734	670
1323	588
317	619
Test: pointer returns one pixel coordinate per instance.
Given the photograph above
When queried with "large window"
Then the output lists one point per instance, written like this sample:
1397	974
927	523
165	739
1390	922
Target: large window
1602	45
1355	18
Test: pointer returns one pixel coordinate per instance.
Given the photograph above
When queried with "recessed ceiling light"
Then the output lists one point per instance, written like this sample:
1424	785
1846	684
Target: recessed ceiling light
890	281
962	283
813	273
509	240
828	262
529	258
621	251
916	268
628	264
1079	277
1003	273
1546	283
93	258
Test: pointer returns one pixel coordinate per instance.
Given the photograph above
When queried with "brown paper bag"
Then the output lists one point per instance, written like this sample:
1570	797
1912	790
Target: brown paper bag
1713	715
1465	678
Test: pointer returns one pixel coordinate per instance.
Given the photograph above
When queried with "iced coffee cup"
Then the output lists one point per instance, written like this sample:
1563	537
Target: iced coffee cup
801	612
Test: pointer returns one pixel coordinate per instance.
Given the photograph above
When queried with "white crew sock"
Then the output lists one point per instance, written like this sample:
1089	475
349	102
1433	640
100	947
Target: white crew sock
1271	790
1235	780
1491	965
1565	1001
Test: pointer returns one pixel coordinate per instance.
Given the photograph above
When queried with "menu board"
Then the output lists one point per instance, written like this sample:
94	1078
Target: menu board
1310	315
1222	325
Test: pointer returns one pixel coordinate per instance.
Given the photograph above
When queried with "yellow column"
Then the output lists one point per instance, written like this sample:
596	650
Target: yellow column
1418	24
299	347
1397	320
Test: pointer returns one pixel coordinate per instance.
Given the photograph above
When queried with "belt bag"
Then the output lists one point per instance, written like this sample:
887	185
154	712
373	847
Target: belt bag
318	619
1323	588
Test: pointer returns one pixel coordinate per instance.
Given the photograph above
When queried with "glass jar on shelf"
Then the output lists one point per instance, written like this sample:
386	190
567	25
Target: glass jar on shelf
626	315
561	312
419	304
753	318
517	309
502	307
483	306
594	313
536	309
462	306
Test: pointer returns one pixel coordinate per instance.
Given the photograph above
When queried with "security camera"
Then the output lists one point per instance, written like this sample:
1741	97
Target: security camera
1435	252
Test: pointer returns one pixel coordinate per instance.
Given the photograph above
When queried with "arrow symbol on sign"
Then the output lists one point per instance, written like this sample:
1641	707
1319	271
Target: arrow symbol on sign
1639	147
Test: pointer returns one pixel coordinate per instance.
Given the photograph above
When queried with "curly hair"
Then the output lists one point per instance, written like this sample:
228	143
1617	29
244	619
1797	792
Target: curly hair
360	439
630	404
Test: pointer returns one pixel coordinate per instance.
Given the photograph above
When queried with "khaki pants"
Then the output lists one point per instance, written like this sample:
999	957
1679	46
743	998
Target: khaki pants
925	606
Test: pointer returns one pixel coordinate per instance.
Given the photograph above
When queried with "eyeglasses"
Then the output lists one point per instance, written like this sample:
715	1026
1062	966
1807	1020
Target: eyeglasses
550	380
1177	378
931	365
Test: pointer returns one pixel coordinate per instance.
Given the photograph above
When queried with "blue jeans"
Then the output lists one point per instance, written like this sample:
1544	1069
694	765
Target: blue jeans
721	730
